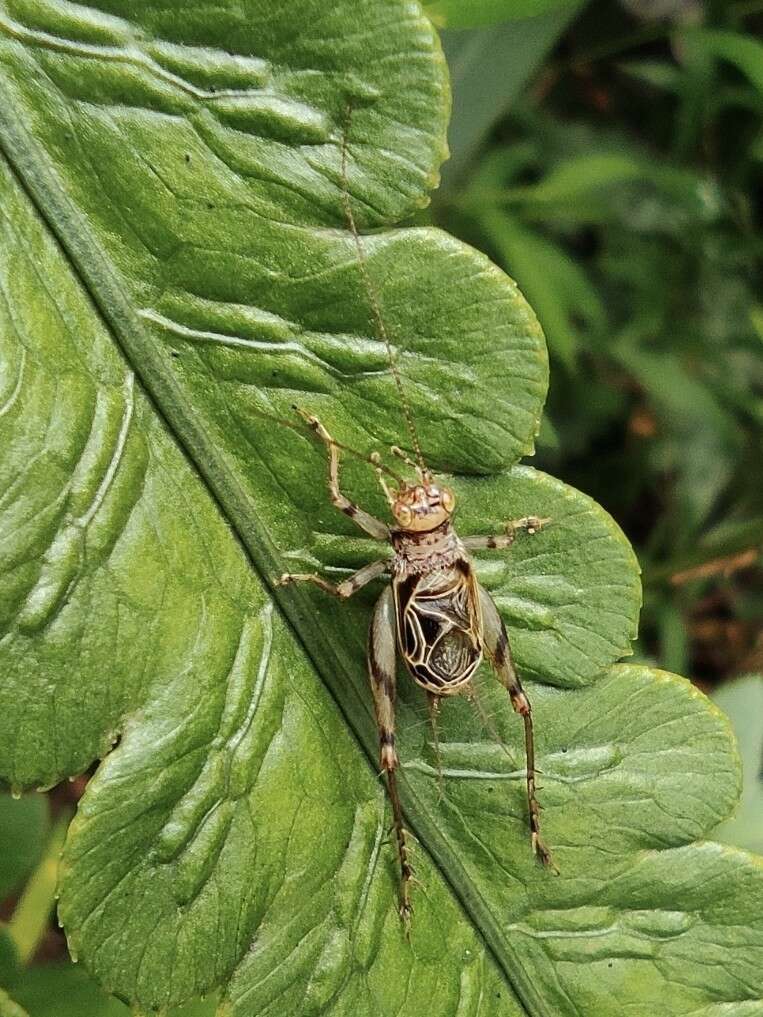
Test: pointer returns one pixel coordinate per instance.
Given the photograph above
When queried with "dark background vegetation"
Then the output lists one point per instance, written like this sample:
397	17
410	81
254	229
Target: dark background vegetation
618	181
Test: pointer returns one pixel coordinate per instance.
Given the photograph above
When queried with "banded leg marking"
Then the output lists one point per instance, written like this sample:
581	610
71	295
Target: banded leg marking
381	672
373	526
530	524
496	644
344	589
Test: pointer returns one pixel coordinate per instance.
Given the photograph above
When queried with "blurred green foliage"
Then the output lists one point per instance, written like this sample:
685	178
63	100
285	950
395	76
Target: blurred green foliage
471	13
742	702
621	189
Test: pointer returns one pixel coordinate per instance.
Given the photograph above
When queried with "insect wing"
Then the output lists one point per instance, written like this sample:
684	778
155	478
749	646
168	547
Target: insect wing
438	627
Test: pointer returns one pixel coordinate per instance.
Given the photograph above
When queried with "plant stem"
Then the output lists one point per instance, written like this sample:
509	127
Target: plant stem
27	925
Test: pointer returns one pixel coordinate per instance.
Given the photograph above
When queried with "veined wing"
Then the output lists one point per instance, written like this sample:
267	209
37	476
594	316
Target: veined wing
438	626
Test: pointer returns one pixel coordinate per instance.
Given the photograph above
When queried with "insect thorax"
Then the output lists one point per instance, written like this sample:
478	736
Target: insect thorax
418	553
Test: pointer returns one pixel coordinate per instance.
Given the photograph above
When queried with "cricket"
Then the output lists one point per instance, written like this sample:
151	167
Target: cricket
434	615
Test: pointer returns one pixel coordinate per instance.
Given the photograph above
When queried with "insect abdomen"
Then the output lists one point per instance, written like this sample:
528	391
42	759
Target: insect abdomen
438	630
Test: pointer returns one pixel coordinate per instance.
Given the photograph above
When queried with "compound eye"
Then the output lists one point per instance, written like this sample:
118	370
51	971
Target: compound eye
448	499
403	515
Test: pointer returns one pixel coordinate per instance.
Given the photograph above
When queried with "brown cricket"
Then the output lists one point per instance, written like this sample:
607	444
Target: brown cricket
435	614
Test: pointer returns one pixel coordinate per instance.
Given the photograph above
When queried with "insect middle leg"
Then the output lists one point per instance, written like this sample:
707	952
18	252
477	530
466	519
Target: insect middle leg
531	524
344	589
381	671
496	644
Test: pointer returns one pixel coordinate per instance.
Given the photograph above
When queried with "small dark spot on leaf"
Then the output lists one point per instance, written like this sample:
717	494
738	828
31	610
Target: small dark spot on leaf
564	750
187	156
174	353
210	204
609	965
491	789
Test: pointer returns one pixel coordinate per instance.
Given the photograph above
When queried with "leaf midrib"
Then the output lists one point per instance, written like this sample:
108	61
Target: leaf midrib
89	263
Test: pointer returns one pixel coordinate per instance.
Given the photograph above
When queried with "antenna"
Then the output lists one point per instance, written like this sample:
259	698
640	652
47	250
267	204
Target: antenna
373	297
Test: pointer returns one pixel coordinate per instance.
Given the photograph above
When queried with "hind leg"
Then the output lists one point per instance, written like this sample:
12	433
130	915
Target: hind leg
496	644
381	671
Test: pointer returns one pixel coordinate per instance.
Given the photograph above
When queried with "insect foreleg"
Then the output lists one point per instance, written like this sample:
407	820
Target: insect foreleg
381	671
496	644
344	589
531	524
375	527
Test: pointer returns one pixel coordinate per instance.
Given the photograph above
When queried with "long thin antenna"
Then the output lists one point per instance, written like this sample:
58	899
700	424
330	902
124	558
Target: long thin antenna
374	299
